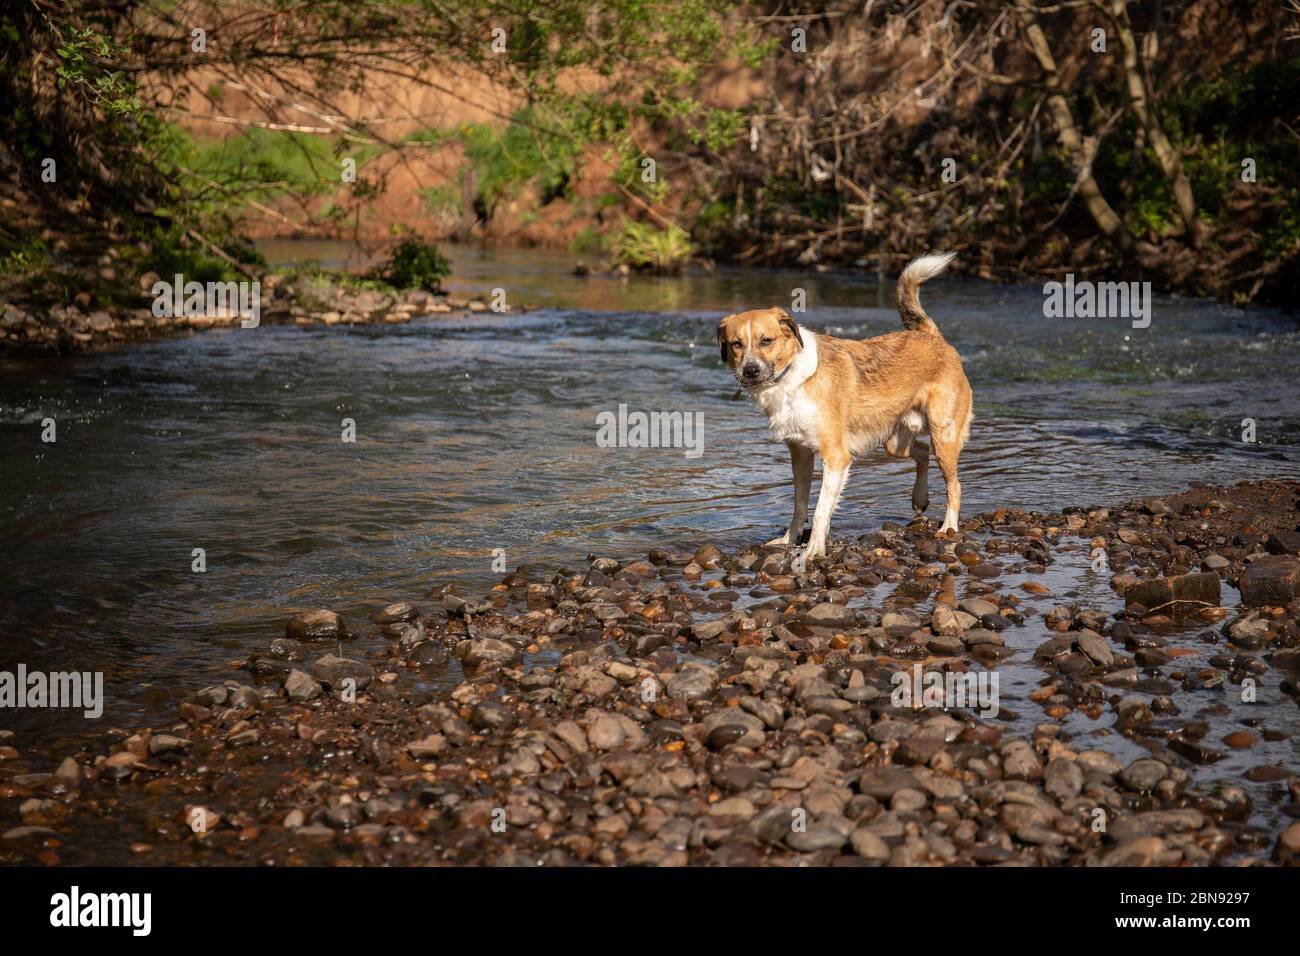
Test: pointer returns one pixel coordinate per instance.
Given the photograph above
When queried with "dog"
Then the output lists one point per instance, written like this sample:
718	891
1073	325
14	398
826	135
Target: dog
840	398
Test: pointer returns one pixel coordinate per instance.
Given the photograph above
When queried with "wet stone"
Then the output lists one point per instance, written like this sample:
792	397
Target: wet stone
486	651
166	743
1143	774
213	696
1179	595
300	686
428	654
827	614
340	673
491	715
1063	779
1019	762
316	627
732	726
982	636
883	782
978	607
396	612
1287	850
919	749
426	747
708	630
819	835
1195	750
692	683
945	645
1270	581
282	648
907	800
1095	648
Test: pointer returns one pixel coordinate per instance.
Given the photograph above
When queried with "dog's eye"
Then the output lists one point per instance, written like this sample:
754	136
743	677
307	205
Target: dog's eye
765	341
736	344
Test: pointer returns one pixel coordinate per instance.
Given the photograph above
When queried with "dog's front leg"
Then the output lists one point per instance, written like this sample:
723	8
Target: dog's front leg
801	464
835	471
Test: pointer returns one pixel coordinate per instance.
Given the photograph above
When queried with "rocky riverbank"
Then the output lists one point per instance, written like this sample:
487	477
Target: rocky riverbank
84	324
733	707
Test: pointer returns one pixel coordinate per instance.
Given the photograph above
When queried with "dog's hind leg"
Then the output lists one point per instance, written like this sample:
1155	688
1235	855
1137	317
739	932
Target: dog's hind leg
801	465
903	443
948	433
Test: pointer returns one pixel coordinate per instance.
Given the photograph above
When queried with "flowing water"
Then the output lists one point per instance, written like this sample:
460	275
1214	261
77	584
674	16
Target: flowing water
476	437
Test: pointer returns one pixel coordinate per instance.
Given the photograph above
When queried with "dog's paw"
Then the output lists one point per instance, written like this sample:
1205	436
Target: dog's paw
814	551
775	542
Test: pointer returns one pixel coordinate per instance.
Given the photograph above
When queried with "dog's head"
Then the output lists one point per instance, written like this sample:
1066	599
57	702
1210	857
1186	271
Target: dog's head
759	346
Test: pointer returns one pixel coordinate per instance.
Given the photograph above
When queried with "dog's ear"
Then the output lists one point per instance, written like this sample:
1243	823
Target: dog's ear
724	349
788	322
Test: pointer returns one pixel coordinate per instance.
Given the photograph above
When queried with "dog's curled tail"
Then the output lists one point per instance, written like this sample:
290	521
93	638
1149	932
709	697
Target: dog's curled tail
909	291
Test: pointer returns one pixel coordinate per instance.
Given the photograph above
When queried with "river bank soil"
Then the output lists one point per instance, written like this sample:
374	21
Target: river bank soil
81	325
702	706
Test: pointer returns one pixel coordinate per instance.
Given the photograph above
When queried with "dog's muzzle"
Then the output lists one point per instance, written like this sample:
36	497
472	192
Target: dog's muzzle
753	374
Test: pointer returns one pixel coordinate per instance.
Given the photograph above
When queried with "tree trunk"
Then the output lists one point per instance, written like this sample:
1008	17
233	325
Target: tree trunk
1110	224
1167	157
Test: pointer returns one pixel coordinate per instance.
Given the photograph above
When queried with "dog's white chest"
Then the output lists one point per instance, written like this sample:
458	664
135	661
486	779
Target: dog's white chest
791	416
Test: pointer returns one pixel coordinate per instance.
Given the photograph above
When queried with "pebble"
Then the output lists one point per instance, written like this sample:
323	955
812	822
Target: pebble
339	673
625	713
166	743
1143	774
692	683
393	613
300	686
1095	647
606	733
486	652
316	626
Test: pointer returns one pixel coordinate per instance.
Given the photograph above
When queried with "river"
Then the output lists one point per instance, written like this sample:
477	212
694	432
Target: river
476	439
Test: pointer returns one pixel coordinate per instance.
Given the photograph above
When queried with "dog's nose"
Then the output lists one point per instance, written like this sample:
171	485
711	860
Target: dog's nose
750	370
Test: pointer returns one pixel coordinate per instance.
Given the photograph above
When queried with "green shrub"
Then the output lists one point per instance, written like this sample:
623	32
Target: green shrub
525	150
642	246
27	255
415	265
586	242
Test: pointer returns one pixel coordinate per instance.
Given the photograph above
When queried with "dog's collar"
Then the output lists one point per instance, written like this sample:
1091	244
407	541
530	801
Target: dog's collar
783	373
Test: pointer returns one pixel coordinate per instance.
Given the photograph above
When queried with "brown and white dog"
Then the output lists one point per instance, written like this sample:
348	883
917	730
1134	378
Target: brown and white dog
840	398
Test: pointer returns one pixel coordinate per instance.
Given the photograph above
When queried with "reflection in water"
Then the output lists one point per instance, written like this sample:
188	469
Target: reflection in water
479	433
